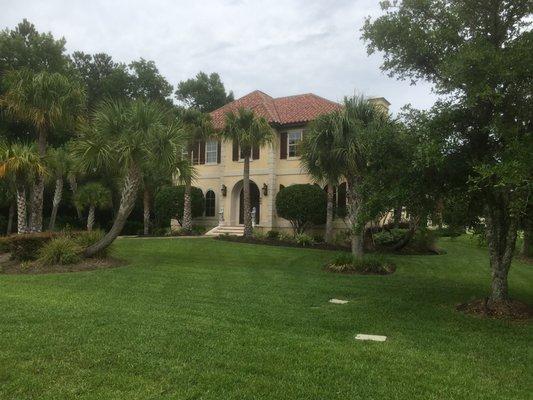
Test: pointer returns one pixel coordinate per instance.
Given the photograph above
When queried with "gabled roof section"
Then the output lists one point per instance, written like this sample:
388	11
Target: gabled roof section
281	111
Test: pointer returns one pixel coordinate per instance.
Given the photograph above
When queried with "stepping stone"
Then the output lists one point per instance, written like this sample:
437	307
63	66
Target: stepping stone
375	338
338	301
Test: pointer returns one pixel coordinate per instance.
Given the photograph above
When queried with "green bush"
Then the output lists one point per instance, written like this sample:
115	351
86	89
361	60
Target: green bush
303	239
198	230
341	238
26	247
273	234
86	239
368	264
61	250
168	204
318	238
302	206
260	235
424	240
285	237
4	248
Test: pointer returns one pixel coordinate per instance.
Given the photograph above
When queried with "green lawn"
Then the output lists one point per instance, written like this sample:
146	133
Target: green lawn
202	319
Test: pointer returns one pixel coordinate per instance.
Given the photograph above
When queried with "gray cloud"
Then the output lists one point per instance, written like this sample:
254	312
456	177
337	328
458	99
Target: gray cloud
282	47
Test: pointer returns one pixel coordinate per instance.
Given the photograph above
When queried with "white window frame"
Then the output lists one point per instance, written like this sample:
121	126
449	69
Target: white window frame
300	134
241	159
211	151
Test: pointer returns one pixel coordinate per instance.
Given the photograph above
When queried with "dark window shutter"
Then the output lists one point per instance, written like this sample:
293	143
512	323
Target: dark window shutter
235	151
283	145
195	155
255	153
202	152
219	147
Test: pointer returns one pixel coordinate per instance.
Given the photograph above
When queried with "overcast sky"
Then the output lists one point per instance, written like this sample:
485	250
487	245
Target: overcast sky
281	47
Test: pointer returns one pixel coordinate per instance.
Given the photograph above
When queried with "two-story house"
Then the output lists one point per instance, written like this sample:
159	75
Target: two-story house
220	164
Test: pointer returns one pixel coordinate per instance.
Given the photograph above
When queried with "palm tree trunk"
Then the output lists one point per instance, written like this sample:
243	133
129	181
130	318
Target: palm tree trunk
146	211
36	205
10	218
21	210
55	204
90	218
501	238
357	227
329	214
248	229
186	224
36	214
127	202
74	189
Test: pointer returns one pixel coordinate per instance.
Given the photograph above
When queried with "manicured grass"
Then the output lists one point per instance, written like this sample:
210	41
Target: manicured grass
203	319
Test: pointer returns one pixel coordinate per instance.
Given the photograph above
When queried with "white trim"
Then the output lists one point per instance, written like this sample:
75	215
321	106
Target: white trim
298	131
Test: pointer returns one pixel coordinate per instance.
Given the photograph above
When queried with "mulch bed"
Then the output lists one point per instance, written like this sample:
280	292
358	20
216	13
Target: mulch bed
512	309
386	270
13	267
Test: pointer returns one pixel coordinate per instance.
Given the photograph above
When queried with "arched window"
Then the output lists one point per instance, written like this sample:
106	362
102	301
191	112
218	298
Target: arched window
210	204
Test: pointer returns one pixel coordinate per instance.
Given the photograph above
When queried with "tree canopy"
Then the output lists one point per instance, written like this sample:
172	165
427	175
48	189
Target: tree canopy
204	92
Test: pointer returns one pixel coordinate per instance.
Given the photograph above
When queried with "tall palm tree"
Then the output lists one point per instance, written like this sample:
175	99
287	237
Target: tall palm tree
123	138
92	195
45	101
197	127
23	164
59	163
356	124
248	131
320	162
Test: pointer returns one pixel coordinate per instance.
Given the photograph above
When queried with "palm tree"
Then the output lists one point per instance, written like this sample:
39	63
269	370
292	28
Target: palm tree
93	195
355	125
320	162
123	137
248	131
45	101
197	127
23	164
59	164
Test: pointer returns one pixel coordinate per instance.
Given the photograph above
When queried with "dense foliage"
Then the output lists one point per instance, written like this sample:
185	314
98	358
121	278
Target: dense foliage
302	205
169	204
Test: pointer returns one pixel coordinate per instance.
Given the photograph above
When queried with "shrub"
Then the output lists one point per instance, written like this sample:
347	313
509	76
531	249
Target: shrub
26	247
424	240
260	235
302	205
4	248
318	238
88	238
168	204
285	237
198	230
341	238
60	250
303	239
273	235
368	264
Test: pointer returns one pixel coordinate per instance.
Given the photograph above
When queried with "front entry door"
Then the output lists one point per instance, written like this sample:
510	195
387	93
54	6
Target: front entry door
254	202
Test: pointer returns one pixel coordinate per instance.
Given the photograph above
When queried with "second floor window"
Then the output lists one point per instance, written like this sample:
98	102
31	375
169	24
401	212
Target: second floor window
211	150
293	139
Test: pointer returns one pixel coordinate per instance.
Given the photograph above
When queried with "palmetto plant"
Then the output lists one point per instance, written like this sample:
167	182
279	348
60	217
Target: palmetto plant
45	101
59	164
124	138
196	127
320	162
94	196
21	163
249	131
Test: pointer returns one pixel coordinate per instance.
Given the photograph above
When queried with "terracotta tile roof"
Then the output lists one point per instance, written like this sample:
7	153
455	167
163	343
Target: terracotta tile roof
282	110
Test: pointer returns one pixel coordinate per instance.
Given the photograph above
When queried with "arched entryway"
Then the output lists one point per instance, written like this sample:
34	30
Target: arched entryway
254	202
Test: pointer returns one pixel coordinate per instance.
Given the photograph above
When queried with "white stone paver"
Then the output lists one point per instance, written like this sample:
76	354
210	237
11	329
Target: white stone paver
375	338
338	301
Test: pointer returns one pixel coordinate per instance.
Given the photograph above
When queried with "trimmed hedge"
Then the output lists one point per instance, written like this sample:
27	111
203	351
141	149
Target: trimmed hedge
26	247
303	205
168	204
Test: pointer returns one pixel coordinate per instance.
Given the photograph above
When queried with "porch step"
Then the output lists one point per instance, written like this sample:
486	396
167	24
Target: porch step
226	230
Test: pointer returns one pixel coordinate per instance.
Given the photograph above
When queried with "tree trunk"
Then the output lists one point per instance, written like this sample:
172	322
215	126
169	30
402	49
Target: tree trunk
90	218
397	218
146	211
247	217
36	214
10	218
127	202
527	245
55	204
357	227
501	229
414	222
329	214
74	189
21	210
186	223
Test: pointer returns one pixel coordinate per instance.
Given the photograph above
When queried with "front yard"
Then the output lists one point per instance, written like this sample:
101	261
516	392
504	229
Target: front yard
206	319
